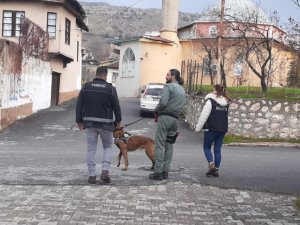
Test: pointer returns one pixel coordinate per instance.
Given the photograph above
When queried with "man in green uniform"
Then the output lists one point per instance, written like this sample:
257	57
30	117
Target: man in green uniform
168	111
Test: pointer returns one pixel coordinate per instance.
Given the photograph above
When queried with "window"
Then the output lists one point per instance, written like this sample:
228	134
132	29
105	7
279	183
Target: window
67	31
51	25
128	63
11	23
208	66
114	77
212	32
238	66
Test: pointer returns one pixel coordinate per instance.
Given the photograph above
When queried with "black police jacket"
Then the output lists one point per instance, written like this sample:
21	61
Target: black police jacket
96	104
218	118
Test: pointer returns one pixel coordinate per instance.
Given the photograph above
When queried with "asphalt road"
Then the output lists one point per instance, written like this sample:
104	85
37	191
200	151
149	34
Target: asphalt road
47	148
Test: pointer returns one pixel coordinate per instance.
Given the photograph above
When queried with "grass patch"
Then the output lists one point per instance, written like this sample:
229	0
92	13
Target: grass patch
288	94
298	203
278	93
231	138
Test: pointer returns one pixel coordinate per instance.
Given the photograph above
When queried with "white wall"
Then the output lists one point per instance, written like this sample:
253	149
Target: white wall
36	11
110	73
129	86
32	85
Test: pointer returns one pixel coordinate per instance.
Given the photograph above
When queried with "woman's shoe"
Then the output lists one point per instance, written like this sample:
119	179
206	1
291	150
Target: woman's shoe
216	173
211	170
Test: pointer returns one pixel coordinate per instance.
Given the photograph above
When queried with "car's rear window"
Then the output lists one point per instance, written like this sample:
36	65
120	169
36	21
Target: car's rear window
154	91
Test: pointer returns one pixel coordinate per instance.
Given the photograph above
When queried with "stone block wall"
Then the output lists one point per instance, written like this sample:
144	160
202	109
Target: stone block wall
256	118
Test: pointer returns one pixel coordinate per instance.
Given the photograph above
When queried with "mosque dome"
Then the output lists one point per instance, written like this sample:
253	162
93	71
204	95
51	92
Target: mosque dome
243	10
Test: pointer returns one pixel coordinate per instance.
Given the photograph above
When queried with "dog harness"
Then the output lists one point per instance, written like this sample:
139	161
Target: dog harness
125	137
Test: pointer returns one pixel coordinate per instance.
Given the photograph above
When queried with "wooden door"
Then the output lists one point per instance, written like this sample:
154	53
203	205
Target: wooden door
55	88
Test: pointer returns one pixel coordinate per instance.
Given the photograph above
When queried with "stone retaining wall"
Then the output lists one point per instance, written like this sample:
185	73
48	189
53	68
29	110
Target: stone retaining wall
254	117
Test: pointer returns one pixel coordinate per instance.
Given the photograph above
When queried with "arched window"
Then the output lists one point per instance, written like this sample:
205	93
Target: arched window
128	63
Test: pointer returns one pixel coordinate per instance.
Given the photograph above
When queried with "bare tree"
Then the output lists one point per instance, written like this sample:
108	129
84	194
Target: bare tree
297	2
256	41
215	51
293	79
293	28
210	48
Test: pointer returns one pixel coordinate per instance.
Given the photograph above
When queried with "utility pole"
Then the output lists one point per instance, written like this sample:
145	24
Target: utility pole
218	78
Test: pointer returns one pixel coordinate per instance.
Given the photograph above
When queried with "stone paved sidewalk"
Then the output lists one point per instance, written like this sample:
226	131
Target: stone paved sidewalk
169	203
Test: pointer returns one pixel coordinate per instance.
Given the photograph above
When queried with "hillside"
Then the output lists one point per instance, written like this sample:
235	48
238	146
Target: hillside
107	22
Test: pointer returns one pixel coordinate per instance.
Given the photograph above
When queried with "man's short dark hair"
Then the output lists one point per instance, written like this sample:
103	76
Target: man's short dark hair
101	70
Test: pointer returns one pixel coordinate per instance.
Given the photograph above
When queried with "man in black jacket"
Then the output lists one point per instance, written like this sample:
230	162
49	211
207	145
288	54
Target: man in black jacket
96	104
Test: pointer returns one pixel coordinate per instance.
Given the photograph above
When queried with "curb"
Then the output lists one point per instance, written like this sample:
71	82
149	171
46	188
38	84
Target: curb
266	144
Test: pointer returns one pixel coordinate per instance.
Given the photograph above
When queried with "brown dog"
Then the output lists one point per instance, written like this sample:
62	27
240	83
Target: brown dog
127	142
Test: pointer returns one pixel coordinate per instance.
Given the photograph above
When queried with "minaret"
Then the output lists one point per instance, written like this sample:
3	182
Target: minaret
170	13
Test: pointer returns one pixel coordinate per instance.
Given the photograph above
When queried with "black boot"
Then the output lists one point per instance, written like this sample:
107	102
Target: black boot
156	176
105	176
165	175
92	180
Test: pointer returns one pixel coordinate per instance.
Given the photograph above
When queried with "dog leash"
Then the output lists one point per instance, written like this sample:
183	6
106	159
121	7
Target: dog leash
126	125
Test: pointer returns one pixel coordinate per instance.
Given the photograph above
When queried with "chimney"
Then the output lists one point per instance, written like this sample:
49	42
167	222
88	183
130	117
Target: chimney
170	19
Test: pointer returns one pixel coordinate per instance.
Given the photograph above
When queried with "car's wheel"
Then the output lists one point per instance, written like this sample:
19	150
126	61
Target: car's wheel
142	113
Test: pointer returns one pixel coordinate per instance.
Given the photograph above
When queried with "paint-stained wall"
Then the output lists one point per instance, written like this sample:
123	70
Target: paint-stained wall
36	11
25	84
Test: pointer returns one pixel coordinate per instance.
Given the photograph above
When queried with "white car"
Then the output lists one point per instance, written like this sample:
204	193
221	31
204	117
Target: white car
150	97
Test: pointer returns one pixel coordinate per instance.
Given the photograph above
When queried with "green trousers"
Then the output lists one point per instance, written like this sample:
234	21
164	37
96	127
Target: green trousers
166	126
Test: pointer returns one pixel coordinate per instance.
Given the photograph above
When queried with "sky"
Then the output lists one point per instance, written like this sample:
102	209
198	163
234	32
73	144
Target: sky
285	8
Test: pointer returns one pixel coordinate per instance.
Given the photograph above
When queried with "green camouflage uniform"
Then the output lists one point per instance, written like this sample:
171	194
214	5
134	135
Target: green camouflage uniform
172	102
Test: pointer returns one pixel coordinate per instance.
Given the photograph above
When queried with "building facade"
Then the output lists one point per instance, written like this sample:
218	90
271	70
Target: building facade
195	49
63	21
40	51
147	59
244	26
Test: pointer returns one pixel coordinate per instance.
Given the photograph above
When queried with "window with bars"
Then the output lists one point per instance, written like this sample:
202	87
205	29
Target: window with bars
51	24
238	66
67	31
11	23
212	32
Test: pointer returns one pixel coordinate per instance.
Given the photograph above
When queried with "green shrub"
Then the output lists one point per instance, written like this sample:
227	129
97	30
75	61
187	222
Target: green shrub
255	92
231	138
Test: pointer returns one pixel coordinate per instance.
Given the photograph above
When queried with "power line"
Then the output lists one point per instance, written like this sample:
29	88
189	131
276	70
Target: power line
134	3
127	7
